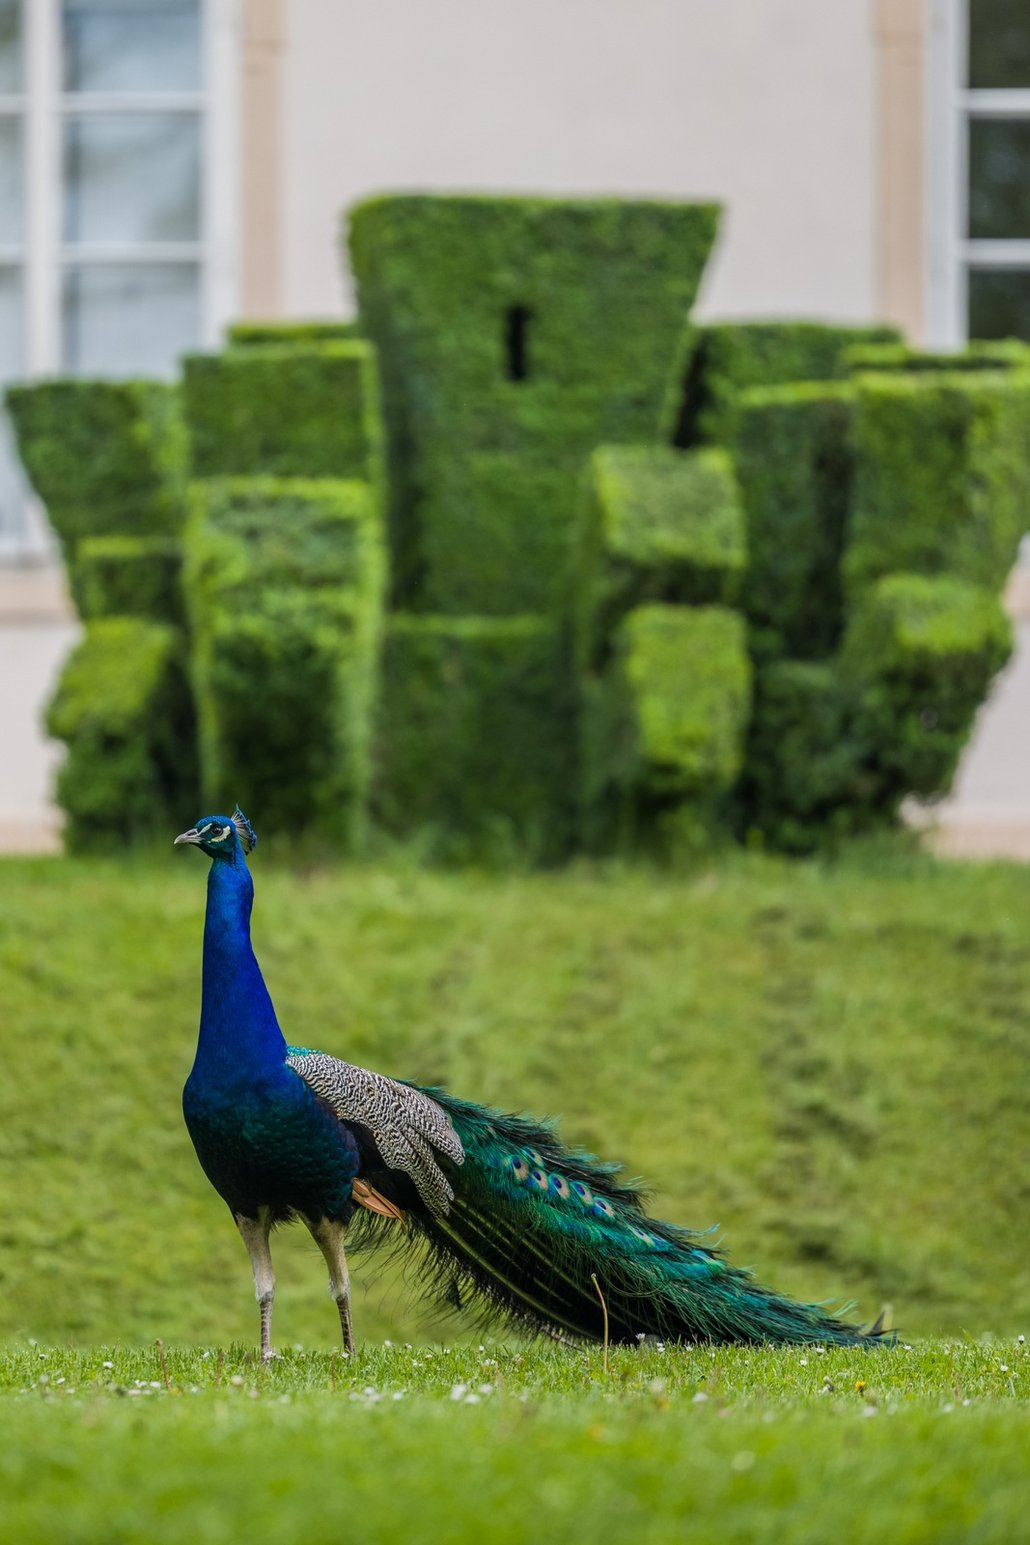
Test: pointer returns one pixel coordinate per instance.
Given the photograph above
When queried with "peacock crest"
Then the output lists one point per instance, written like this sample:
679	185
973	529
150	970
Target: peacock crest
244	830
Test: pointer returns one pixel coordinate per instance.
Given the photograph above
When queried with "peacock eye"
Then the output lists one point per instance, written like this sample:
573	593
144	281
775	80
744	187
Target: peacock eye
224	833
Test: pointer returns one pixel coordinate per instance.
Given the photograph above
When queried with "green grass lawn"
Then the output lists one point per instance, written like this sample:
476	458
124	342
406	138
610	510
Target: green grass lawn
827	1061
484	1443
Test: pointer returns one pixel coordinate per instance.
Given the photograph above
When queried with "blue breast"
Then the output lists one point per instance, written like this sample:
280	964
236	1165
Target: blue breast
266	1141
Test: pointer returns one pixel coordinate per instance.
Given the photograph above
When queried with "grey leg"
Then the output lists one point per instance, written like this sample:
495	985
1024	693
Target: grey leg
329	1239
254	1233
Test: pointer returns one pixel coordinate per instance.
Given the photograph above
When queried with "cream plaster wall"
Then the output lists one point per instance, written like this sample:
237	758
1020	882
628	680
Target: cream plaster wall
768	105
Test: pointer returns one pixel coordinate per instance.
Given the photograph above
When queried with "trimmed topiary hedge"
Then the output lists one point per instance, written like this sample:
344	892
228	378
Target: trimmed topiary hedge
129	576
514	335
942	476
105	457
284	581
922	650
1007	354
793	457
245	335
124	710
834	747
568	668
664	726
731	358
475	739
656	525
284	410
810	777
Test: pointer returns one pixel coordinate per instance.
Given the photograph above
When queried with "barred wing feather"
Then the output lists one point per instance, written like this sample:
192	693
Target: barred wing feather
408	1127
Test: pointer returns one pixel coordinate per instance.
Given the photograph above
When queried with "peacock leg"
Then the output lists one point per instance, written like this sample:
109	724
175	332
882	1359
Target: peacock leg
255	1232
329	1238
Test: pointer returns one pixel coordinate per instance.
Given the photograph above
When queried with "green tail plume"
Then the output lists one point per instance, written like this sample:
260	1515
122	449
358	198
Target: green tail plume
533	1223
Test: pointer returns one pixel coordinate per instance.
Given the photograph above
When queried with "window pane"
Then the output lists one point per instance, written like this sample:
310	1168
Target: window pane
13	490
10	45
999	177
10	324
122	320
132	177
999	43
131	45
999	303
12	486
10	181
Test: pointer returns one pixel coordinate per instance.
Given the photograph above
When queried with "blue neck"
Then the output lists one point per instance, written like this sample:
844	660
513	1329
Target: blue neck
239	1033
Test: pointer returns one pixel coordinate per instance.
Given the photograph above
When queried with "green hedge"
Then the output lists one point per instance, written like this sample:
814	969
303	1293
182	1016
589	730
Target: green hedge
105	457
124	710
284	410
942	476
834	747
1008	354
283	581
731	358
514	335
793	457
810	776
476	737
923	651
246	335
664	726
129	576
656	525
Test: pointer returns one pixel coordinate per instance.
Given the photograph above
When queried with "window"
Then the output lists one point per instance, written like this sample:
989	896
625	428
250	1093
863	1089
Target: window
979	134
117	194
12	235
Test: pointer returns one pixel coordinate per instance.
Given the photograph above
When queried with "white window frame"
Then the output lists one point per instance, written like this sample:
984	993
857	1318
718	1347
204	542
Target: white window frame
41	255
951	105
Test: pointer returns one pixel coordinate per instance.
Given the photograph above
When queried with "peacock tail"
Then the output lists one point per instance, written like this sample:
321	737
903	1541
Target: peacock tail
539	1233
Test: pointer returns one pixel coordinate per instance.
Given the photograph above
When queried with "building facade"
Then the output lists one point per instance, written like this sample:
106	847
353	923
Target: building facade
169	165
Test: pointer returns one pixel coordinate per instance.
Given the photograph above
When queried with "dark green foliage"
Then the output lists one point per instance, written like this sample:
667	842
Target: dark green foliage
793	458
656	525
521	340
285	410
734	357
809	778
106	457
923	650
1009	353
284	581
942	476
129	576
514	335
663	728
246	334
123	708
476	735
495	548
835	746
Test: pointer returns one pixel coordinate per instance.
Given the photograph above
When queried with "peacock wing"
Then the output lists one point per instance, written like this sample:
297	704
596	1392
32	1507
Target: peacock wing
409	1129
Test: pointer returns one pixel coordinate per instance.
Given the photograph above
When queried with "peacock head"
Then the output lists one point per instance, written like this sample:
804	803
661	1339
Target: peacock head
220	835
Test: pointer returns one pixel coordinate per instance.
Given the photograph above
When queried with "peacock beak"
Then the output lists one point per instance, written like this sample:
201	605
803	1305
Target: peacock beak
191	836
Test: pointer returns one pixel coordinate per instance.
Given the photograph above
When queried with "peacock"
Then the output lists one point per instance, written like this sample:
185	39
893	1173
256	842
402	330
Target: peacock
498	1211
